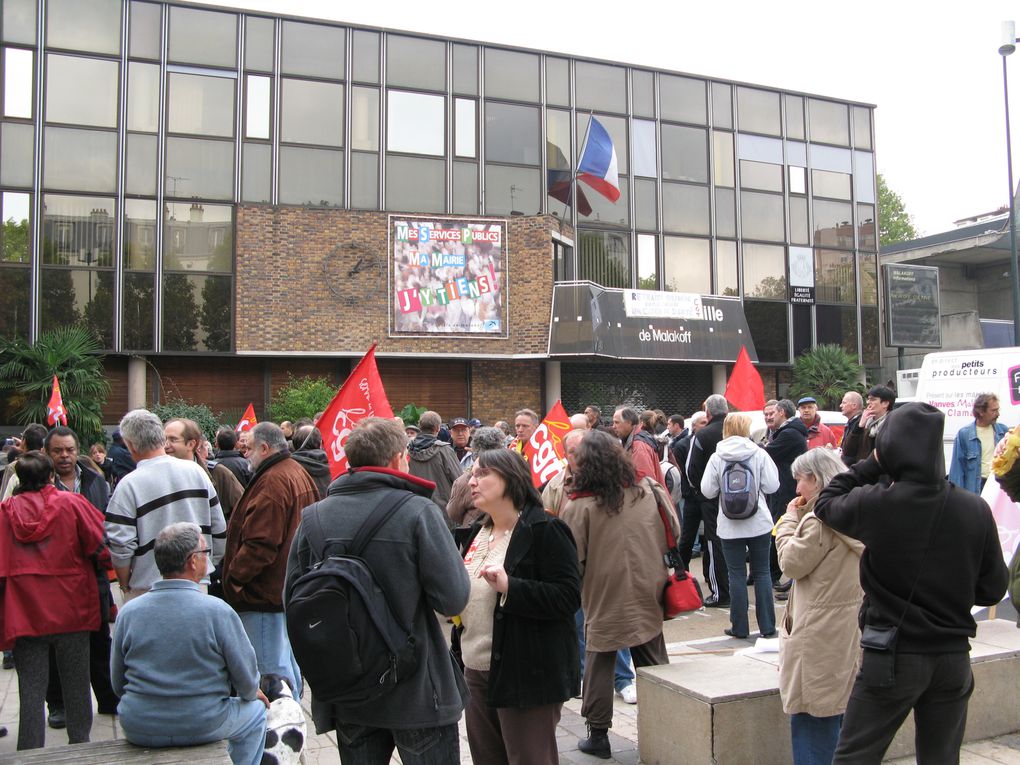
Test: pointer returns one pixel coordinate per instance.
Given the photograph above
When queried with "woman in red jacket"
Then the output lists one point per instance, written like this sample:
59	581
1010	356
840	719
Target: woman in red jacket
48	595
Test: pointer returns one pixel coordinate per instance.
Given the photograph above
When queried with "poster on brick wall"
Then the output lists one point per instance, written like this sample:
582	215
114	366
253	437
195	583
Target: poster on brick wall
448	276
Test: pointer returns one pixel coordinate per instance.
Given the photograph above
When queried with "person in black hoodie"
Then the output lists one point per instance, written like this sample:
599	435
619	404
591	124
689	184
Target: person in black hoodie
228	456
309	454
931	553
788	442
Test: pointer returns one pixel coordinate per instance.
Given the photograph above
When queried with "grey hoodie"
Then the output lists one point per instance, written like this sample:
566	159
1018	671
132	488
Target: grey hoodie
434	461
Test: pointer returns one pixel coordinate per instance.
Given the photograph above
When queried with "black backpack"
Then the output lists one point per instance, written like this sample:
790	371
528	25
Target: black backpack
738	495
349	645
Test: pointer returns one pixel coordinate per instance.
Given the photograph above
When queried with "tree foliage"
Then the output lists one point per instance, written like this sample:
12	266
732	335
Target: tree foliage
410	414
895	223
206	419
301	397
825	372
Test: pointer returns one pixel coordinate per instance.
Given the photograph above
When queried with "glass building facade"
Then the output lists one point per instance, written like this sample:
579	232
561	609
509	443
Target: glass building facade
130	131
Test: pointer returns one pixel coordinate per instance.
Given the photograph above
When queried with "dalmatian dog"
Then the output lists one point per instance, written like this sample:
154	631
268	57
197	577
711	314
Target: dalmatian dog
285	723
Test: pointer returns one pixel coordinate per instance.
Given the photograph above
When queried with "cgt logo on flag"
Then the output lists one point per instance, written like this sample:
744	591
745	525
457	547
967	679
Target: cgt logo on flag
544	450
55	412
248	420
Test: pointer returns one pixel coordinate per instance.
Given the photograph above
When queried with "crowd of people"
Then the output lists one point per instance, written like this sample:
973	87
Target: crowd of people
544	593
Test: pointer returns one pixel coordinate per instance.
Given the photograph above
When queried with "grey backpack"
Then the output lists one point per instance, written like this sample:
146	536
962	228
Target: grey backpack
738	495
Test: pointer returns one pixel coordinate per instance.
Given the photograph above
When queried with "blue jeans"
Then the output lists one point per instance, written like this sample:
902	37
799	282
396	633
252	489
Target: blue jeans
361	745
244	729
268	635
814	738
624	669
736	551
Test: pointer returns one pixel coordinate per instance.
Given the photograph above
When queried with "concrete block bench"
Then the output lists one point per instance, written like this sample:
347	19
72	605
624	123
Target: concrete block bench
710	708
121	752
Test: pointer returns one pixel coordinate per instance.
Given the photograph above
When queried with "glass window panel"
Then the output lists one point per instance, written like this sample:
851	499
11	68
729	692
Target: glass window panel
644	148
862	127
725	212
203	37
647	262
601	87
512	189
415	123
726	268
143	97
311	177
682	99
143	36
16	154
257	104
78	231
829	122
864	176
81	91
18	79
722	105
92	26
138	310
604	258
758	111
687	265
769	325
139	246
830	158
198	237
415	62
833	224
760	149
312	112
259	40
869	278
511	74
796	153
71	296
869	337
799	233
835	280
208	301
761	216
14	307
256	175
722	159
617	129
685	208
643	96
795	117
365	57
764	271
798	180
826	184
202	169
465	128
465	69
79	160
364	180
684	154
559	178
557	81
17	234
201	105
866	230
465	188
365	119
413	183
315	50
512	133
140	170
801	329
19	21
761	175
604	211
837	325
645	208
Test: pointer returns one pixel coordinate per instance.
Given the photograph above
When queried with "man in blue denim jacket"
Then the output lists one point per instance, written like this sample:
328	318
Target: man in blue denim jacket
975	445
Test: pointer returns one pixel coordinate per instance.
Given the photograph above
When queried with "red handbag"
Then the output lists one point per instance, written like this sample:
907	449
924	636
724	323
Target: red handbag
682	593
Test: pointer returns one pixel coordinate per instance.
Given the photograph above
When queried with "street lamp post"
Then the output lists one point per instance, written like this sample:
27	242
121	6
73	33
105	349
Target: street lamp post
1007	47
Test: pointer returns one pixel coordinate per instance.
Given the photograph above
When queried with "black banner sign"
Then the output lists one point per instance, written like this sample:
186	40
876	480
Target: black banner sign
912	306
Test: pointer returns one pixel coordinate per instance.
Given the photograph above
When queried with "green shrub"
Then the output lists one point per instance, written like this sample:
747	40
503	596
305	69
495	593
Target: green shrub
301	397
410	414
206	419
826	372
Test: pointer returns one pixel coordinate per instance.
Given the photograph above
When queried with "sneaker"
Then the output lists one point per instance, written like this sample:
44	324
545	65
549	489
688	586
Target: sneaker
8	660
628	693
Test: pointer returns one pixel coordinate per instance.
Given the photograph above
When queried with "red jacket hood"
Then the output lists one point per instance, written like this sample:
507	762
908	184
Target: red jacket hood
31	515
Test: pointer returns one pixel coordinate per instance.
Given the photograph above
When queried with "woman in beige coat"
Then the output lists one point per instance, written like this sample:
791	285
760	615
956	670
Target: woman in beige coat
819	645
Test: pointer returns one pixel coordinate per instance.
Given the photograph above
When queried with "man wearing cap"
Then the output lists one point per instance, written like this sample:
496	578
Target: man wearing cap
460	434
411	431
861	440
818	434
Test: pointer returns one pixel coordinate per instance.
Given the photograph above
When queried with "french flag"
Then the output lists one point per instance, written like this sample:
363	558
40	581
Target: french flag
597	167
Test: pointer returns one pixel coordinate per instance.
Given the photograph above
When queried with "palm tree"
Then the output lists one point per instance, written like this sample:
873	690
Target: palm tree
826	372
72	354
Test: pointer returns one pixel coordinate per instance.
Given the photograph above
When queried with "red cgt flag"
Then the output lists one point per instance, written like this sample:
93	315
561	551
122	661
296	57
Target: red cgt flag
544	450
55	412
248	420
744	390
361	395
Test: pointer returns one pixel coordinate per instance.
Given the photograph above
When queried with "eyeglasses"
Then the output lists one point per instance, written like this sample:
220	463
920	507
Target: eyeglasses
206	551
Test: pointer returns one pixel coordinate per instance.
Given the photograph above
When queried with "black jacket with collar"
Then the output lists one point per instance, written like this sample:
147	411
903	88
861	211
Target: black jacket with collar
787	444
702	447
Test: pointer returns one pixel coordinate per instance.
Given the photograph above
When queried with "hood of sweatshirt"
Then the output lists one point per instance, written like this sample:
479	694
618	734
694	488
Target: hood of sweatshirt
423	447
32	517
909	444
736	449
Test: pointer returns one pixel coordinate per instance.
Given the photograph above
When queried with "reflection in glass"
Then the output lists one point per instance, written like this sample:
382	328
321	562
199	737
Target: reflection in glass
761	216
16	154
364	180
365	119
512	133
14	306
682	99
601	87
464	128
687	265
685	208
643	93
365	57
603	257
829	122
722	159
315	50
71	296
512	190
867	237
143	37
198	237
645	209
761	175
201	105
764	271
827	184
835	279
644	148
76	25
143	97
837	325
725	212
617	129
139	246
559	178
81	91
798	221
869	278
413	183
257	103
465	69
758	111
722	105
256	176
465	188
414	62
18	21
862	127
202	319
511	74
140	171
801	329
557	81
769	325
203	37
79	160
311	177
795	117
647	262
869	336
602	210
415	123
259	36
18	79
312	112
199	168
16	234
726	268
833	226
137	312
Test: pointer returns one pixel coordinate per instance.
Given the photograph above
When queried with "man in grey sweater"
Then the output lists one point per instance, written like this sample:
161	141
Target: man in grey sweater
416	564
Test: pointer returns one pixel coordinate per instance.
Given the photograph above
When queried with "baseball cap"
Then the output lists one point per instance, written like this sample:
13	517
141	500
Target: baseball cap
475	422
806	400
411	426
459	421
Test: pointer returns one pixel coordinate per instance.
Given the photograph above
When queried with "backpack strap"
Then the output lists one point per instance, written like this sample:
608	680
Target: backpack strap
376	519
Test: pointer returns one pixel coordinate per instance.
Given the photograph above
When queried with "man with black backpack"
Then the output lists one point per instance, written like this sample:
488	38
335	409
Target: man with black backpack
375	561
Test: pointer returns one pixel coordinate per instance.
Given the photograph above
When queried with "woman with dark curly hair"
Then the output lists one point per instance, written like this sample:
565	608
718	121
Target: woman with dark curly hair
620	546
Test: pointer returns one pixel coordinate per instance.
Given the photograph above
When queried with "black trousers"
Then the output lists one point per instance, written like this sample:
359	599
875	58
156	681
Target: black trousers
712	559
936	686
99	674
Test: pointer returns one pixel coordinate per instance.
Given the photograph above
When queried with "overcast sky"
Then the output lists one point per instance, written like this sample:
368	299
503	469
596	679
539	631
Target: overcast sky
935	75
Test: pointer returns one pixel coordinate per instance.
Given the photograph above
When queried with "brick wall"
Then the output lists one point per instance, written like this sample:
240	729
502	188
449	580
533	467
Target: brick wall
500	388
